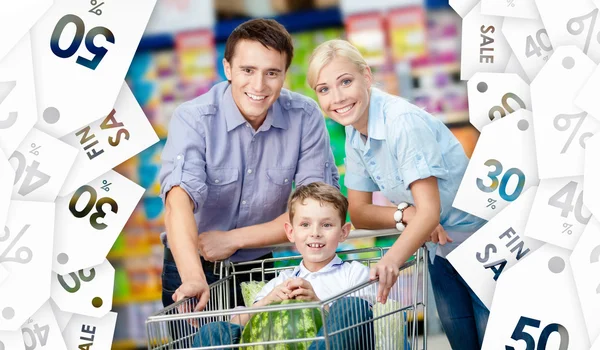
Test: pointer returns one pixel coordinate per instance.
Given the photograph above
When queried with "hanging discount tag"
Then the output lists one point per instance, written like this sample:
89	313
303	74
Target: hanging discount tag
494	95
494	248
561	128
463	7
42	332
484	48
16	18
89	221
3	274
590	175
87	292
596	345
62	318
85	332
11	340
530	43
585	262
536	305
514	67
7	178
574	24
510	8
79	76
497	175
108	142
18	111
587	98
558	215
41	165
24	252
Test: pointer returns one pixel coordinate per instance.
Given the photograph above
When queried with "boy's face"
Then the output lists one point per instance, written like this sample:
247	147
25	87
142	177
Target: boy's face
257	74
317	229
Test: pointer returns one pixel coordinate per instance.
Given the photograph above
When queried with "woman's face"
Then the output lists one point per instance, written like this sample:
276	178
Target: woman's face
343	92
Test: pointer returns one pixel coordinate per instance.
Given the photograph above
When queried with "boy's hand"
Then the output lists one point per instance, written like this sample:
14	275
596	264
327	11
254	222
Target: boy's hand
388	272
279	293
440	235
302	290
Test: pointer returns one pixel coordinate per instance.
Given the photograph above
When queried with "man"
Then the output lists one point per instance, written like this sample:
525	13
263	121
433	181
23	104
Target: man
230	160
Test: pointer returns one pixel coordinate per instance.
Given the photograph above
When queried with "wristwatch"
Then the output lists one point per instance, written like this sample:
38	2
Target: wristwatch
399	216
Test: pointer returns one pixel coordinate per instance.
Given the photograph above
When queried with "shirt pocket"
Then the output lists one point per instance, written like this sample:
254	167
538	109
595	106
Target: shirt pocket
279	186
222	186
392	180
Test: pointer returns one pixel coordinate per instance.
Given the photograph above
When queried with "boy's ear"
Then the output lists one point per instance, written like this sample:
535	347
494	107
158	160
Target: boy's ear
345	231
289	231
227	69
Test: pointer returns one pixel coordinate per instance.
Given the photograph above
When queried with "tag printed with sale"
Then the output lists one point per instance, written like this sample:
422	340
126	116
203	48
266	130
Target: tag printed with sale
585	261
574	23
41	331
89	221
590	175
62	318
86	292
484	48
510	8
89	333
530	43
494	95
16	18
561	128
587	98
496	176
41	165
109	141
494	248
18	109
11	340
7	178
463	7
24	253
82	51
536	304
558	215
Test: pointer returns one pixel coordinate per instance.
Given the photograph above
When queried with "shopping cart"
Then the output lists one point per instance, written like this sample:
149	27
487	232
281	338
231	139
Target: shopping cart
394	325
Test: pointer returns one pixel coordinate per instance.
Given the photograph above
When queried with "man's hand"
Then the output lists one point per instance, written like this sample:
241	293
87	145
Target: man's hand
197	289
388	272
302	290
440	235
216	245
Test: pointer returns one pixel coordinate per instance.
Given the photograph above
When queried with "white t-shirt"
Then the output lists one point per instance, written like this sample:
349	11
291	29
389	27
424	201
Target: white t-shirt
333	279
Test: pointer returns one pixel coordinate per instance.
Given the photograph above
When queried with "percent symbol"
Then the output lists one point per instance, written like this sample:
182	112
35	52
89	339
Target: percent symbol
96	9
511	3
105	185
35	151
562	122
567	228
491	201
18	258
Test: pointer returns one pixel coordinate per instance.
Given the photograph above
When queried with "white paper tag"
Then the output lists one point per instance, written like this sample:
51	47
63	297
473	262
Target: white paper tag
510	8
41	331
16	18
591	171
85	332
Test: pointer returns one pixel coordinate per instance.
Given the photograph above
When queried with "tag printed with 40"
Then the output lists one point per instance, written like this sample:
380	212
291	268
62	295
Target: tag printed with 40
89	221
496	175
41	165
81	75
41	331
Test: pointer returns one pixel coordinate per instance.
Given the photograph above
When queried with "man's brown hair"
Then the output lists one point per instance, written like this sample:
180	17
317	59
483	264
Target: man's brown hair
267	32
321	192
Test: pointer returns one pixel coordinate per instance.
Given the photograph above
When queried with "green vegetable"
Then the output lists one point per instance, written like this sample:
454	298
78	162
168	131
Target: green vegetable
250	290
283	325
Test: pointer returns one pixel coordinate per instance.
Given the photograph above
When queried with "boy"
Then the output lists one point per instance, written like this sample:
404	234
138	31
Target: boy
317	224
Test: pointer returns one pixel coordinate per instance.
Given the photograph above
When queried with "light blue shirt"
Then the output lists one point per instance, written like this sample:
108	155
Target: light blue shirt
236	176
405	144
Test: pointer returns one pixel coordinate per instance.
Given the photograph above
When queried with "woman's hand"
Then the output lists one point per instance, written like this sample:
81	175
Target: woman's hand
302	290
387	270
440	235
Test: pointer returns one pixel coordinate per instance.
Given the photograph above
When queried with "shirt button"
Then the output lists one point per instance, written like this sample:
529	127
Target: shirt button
247	125
286	180
378	178
326	165
372	163
249	171
243	202
418	157
216	181
179	157
382	187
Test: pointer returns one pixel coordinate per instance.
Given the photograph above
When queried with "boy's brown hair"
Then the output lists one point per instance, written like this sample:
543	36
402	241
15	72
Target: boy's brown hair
267	32
321	192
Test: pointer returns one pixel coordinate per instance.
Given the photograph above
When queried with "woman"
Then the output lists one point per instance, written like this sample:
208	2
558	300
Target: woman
410	156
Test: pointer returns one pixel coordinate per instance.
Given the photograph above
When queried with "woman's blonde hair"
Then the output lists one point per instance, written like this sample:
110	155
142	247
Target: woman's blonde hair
326	52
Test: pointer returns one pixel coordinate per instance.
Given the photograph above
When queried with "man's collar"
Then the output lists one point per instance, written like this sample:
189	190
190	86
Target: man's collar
234	118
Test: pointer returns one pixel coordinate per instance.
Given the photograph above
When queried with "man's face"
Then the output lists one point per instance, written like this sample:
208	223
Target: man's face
257	74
